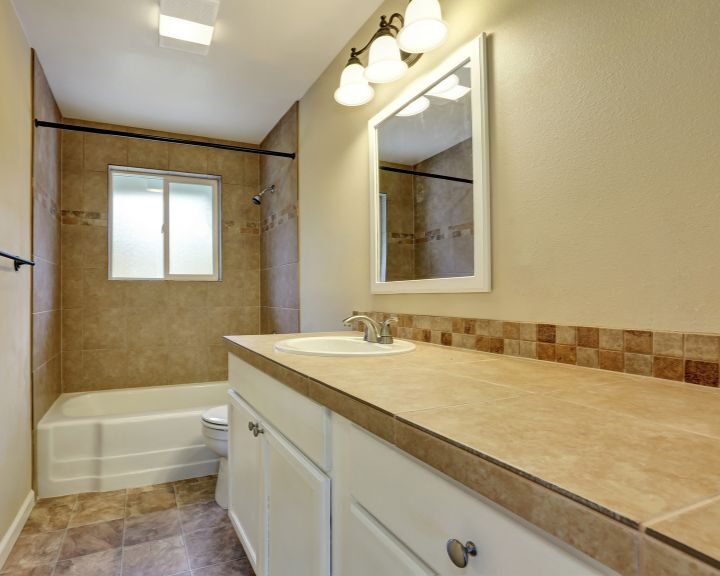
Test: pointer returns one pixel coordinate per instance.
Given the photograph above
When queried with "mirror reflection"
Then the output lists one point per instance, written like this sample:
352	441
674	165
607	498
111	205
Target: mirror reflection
426	185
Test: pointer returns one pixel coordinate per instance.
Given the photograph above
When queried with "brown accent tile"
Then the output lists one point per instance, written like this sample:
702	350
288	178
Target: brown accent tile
528	331
405	320
458	326
92	538
511	330
639	341
528	349
612	360
213	546
565	354
703	373
489	344
202	516
566	335
33	549
668	368
668	344
546	351
196	493
446	338
588	357
702	347
106	563
641	364
153	526
98	507
611	339
239	567
546	333
421	335
151	501
156	558
588	337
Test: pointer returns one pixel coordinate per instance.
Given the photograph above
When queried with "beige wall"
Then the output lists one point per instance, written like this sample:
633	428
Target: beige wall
15	194
46	249
118	334
279	239
605	167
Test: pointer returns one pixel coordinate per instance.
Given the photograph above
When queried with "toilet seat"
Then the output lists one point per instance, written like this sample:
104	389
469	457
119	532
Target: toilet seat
216	418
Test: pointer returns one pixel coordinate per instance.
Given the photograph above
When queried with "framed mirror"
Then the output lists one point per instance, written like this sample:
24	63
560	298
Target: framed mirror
429	182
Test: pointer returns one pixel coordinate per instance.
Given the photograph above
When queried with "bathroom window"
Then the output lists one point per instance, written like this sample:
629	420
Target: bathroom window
163	225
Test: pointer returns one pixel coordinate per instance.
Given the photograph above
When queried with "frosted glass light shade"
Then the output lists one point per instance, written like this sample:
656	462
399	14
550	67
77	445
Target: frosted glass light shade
385	63
354	89
424	28
415	107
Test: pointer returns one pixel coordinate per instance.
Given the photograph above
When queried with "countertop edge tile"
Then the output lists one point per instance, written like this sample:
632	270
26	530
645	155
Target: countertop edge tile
660	559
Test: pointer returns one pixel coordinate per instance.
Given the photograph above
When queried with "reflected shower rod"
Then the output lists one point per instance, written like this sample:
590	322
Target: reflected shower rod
425	174
166	139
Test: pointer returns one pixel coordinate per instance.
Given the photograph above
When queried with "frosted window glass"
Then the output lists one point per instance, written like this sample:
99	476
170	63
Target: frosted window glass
137	234
191	229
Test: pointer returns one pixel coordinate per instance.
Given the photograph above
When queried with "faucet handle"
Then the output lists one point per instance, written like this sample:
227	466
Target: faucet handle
386	324
385	334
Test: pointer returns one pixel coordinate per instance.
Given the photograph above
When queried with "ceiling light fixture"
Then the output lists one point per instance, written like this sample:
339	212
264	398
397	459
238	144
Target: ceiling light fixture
188	25
389	57
415	107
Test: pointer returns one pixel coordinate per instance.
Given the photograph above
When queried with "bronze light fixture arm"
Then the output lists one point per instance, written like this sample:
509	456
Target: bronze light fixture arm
386	28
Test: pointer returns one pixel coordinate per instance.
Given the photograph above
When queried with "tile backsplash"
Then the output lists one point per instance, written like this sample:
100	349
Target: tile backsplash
683	357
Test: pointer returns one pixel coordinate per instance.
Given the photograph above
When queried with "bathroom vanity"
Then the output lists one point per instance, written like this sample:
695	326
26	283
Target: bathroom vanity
335	468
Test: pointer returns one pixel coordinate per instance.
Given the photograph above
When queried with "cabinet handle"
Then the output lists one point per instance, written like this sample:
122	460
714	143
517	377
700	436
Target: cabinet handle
258	430
459	552
251	426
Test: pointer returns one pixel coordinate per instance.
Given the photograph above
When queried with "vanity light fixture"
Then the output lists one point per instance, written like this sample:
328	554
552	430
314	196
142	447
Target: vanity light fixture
415	107
393	48
188	25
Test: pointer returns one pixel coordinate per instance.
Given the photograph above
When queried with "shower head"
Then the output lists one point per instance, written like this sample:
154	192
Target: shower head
257	199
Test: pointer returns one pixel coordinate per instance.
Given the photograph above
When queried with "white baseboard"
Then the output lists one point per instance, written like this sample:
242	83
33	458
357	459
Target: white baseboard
11	536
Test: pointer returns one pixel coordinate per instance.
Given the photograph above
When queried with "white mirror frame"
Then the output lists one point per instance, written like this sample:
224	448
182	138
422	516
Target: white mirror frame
480	282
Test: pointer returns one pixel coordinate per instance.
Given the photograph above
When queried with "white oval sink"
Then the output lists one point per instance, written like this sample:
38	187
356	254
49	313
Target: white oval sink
341	346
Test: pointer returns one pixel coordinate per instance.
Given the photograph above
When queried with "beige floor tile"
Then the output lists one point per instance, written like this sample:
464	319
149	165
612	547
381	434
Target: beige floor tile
44	570
92	538
150	501
98	507
105	563
239	567
158	558
50	515
34	549
195	493
199	516
153	526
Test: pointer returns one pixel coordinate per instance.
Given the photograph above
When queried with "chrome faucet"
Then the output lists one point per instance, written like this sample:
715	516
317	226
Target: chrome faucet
376	333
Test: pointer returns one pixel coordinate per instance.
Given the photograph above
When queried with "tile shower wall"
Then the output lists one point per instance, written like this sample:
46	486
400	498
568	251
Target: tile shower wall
118	334
399	191
688	357
280	310
46	313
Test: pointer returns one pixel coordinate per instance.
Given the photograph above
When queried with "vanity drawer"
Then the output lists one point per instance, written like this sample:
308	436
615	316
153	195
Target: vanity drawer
423	509
304	422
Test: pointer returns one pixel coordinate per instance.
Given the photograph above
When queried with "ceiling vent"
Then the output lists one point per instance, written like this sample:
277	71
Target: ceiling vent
188	25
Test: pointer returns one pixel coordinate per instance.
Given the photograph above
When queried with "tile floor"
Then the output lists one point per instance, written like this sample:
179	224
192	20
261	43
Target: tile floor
164	530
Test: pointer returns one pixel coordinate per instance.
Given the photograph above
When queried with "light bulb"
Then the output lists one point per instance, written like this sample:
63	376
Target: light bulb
354	89
384	63
424	28
415	107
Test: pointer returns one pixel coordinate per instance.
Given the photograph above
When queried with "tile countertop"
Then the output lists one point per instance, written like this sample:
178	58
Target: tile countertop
543	440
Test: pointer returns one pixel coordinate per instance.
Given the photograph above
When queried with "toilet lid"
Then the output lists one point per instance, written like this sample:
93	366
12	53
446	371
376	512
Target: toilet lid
217	416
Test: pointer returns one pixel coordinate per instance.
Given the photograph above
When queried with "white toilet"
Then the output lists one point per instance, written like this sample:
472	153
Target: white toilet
215	431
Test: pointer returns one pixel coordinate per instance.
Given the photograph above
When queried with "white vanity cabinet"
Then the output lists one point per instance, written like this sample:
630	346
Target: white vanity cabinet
279	497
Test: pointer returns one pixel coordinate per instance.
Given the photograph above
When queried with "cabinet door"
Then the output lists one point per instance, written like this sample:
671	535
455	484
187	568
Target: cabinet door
298	500
246	508
373	549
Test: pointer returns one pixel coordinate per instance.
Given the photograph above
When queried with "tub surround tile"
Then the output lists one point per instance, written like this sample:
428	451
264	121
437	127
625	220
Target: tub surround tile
592	456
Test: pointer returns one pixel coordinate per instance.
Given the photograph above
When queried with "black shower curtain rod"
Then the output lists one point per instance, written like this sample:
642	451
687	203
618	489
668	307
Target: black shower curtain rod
123	134
426	174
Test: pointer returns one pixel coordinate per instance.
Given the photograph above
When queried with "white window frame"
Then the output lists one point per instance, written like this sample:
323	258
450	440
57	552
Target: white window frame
168	178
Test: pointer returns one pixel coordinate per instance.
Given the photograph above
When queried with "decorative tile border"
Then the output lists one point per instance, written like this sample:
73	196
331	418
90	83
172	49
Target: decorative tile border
275	220
683	357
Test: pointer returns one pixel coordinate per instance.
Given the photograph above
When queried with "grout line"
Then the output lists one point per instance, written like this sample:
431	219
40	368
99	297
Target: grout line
685	509
62	540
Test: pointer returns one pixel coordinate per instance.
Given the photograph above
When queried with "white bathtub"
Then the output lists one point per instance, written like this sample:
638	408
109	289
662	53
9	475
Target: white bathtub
98	441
